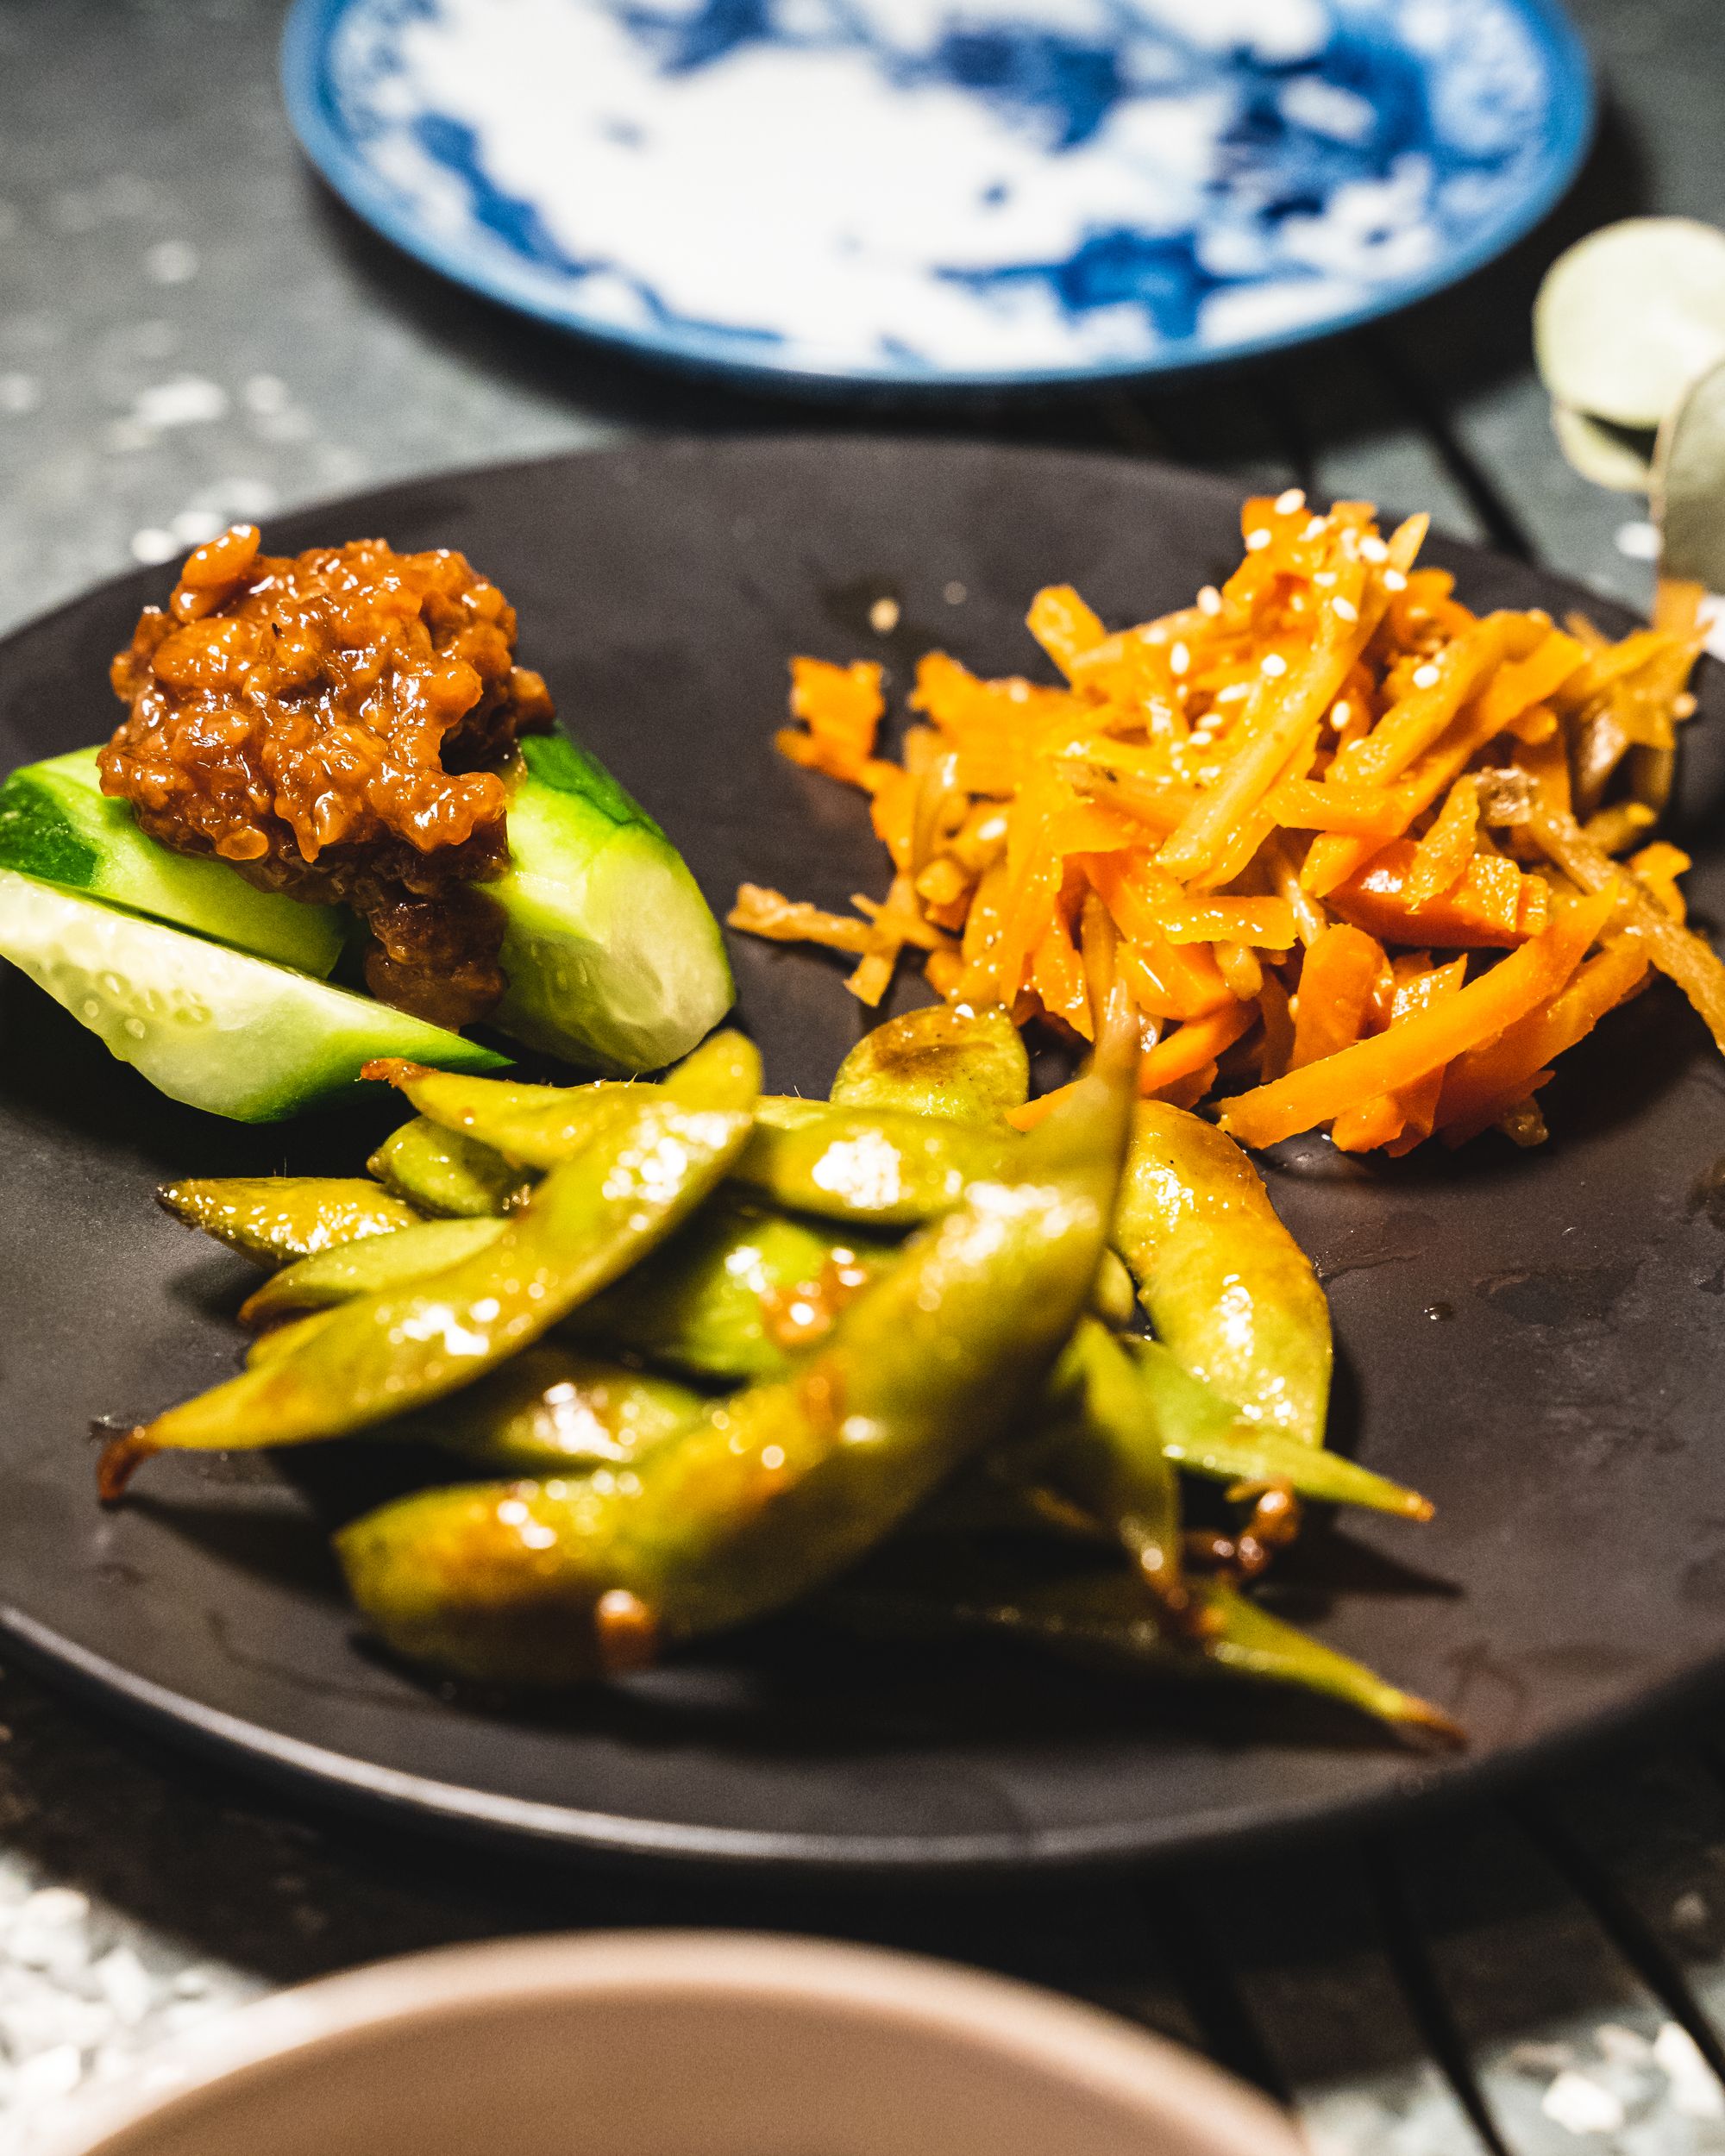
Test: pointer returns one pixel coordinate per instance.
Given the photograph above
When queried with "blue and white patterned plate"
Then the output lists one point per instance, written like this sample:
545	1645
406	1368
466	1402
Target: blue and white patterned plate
944	191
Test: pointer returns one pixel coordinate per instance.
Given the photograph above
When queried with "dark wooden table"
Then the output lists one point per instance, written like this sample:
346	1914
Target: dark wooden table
191	331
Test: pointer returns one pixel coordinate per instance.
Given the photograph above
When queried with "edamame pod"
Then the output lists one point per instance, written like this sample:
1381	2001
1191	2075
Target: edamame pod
1227	1288
734	1295
554	1411
883	1166
366	1268
1106	1620
446	1172
1104	1458
968	1065
782	1486
1201	1433
584	1225
272	1218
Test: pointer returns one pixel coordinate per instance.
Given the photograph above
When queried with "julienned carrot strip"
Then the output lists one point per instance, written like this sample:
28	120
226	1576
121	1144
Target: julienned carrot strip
1332	861
1529	680
1440	688
1063	625
1198	1042
841	706
1480	1086
1337	984
1057	975
1400	1121
1546	763
1392	1060
1440	859
1265	923
1032	1111
1171	980
1357	812
1281	709
1485	911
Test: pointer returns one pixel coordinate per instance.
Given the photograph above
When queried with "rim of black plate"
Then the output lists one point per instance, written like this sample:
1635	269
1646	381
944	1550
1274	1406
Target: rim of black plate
306	39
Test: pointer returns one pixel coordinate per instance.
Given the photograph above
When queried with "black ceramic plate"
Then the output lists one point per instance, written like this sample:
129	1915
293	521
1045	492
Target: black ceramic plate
1534	1339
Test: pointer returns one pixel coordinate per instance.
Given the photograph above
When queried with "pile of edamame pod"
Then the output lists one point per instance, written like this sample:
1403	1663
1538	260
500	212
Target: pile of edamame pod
693	1354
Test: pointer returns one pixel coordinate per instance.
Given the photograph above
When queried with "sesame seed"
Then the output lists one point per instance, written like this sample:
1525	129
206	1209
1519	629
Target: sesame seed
1393	581
1179	659
883	616
1344	608
1426	677
1274	663
1684	707
1287	503
1316	526
1325	577
1340	713
1209	600
1235	693
1257	541
1373	549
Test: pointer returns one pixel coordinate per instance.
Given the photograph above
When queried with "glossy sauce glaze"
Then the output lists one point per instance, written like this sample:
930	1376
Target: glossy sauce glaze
328	723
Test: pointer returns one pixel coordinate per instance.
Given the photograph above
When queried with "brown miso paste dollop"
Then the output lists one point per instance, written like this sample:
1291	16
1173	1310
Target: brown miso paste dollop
329	722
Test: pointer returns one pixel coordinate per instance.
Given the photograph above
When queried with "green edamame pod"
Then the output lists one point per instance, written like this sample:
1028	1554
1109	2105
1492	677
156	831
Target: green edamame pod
583	1227
446	1172
780	1486
379	1262
1103	1457
968	1065
1106	1620
533	1127
735	1295
554	1411
1201	1433
271	1219
883	1166
1226	1286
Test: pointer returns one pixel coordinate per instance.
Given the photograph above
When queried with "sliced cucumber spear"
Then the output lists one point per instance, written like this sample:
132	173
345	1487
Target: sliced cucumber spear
56	824
215	1028
613	957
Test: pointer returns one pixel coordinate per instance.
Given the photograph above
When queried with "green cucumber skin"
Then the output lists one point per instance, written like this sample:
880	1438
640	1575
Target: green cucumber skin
219	1029
613	957
57	825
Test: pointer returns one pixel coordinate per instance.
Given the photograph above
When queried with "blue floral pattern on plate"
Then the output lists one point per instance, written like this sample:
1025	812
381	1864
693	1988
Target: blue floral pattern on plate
944	191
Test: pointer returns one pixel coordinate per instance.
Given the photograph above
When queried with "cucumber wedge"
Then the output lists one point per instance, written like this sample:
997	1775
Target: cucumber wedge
217	1029
612	957
57	824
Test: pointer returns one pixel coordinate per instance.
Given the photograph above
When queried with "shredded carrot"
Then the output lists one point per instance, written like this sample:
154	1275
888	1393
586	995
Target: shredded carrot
1278	819
1337	984
1188	1050
1392	1060
1494	905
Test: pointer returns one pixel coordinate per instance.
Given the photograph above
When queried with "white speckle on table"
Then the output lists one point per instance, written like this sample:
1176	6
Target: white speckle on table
1622	2047
126	437
154	544
47	2075
187	400
1695	2090
1581	2106
125	1984
955	593
19	393
172	262
883	616
265	393
192	527
1541	2058
1638	540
